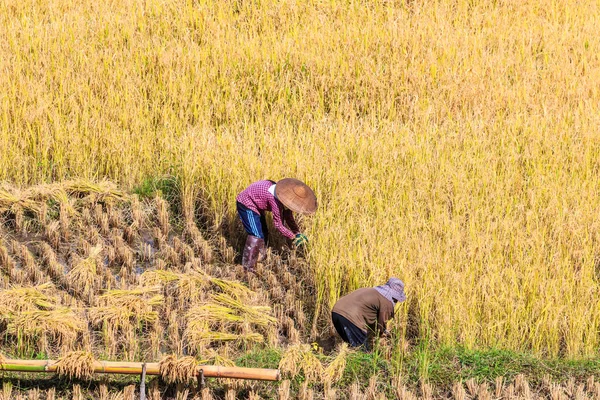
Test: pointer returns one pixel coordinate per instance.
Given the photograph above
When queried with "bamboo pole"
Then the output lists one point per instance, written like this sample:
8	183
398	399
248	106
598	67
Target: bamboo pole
135	368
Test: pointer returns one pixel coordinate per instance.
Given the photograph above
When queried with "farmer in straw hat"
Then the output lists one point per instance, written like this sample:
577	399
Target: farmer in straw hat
366	311
281	198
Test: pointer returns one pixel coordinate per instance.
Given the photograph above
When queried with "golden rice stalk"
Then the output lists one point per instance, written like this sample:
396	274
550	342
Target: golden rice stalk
206	394
103	191
226	251
182	392
230	394
64	221
162	211
83	277
355	392
153	390
76	364
300	357
259	315
51	394
331	393
200	244
119	308
458	391
33	394
7	390
522	386
472	387
129	392
19	299
174	370
198	334
52	233
34	273
499	386
6	262
335	369
158	277
36	327
426	390
232	287
12	199
283	393
136	212
55	270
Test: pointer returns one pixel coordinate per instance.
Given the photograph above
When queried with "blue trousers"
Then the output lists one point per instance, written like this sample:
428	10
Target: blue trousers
255	224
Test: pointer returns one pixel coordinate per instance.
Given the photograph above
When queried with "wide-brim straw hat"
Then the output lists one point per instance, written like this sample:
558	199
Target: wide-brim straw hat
296	196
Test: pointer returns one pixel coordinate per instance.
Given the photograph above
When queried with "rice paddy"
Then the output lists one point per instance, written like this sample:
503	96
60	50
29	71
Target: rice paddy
453	144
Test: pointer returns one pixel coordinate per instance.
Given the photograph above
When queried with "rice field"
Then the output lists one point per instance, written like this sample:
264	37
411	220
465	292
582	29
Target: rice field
454	144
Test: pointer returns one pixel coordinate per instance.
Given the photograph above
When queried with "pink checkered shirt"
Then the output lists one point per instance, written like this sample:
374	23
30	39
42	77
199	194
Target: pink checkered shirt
258	199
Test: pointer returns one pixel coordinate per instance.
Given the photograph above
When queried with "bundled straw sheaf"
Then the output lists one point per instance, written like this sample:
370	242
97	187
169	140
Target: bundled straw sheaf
76	364
174	370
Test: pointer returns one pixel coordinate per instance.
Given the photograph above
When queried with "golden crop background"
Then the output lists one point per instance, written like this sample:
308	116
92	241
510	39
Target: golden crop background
454	144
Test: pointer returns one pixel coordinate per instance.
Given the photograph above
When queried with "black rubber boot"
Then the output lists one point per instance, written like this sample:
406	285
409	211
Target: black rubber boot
252	248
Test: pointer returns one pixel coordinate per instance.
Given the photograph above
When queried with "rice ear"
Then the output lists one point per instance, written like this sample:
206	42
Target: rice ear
174	370
76	364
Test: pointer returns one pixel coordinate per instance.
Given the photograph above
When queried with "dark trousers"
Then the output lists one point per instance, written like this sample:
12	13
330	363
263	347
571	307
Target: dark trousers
349	332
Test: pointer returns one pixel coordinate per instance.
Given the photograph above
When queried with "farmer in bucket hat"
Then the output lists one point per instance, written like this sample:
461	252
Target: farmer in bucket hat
280	198
366	311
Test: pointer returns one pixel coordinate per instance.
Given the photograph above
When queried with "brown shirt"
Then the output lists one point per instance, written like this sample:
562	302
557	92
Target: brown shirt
366	308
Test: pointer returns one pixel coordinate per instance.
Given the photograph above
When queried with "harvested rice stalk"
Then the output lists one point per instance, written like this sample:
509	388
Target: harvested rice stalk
7	388
300	357
153	390
232	287
201	245
83	277
38	327
199	335
188	288
119	308
174	370
19	299
76	364
103	191
52	233
7	263
34	273
12	199
335	369
259	315
206	394
54	269
162	214
227	252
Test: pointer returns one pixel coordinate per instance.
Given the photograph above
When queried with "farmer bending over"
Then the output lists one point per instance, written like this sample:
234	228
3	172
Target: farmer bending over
366	310
281	199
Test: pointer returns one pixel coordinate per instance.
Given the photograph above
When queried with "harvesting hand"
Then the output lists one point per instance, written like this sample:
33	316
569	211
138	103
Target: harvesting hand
300	240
